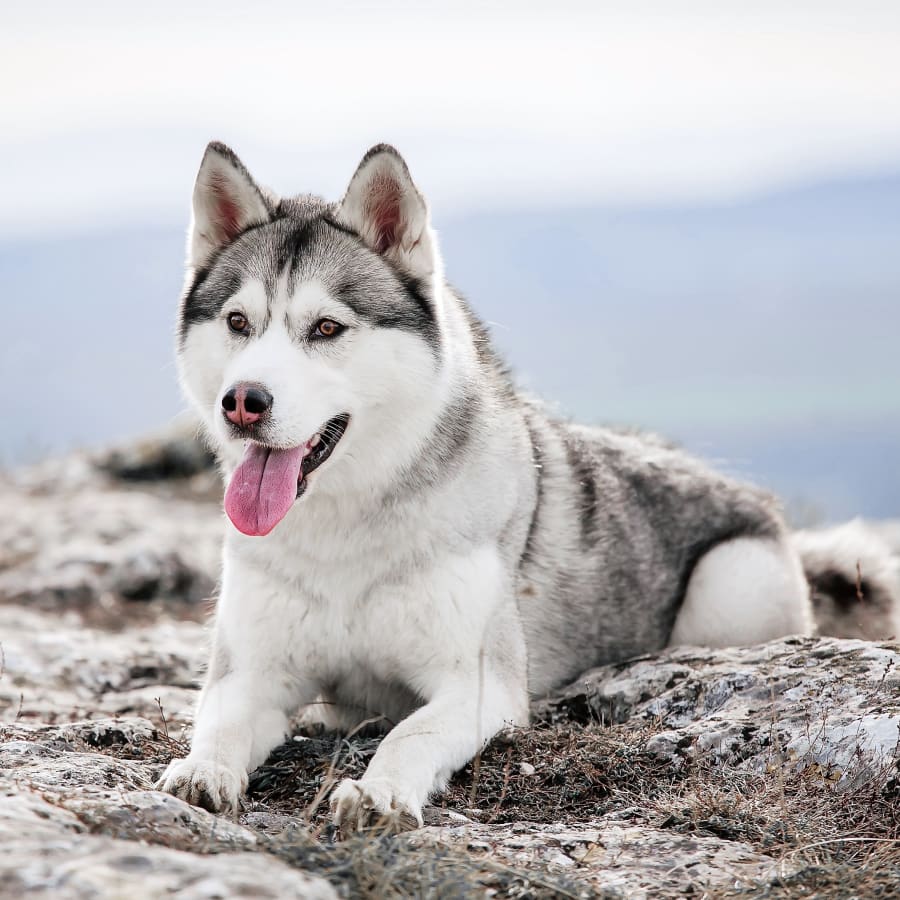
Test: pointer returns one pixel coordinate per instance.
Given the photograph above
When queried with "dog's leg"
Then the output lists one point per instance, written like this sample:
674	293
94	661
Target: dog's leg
473	676
239	721
744	591
421	753
243	710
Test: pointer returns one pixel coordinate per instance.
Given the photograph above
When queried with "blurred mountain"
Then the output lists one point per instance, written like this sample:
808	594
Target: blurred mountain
762	332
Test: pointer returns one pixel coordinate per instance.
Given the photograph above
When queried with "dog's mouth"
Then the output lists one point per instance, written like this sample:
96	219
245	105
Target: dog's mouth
321	446
269	479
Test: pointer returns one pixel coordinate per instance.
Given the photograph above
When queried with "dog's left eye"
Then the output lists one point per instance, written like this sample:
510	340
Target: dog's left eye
238	323
327	328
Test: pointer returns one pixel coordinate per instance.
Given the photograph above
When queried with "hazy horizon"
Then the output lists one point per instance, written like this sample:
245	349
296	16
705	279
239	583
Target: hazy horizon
761	334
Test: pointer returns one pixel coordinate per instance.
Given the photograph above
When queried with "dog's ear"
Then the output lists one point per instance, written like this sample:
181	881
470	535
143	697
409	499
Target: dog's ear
226	202
385	207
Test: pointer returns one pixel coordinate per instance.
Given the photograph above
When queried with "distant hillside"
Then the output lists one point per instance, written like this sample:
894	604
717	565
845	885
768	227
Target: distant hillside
762	331
754	313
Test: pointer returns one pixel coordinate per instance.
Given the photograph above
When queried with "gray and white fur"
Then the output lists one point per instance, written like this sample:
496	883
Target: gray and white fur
460	550
855	581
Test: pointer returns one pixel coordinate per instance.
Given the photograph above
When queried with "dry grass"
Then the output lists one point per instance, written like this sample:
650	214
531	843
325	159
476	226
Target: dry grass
373	865
829	838
829	841
385	866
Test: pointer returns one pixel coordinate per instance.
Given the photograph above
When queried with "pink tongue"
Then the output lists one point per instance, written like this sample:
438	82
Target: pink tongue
263	488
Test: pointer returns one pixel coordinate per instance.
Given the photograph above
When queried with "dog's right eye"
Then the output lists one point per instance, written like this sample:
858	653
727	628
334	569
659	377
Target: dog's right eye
238	323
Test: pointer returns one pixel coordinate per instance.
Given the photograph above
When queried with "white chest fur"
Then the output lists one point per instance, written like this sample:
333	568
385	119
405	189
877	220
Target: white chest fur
351	611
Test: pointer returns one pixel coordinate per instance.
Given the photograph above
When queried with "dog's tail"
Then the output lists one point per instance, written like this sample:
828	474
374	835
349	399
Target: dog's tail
854	577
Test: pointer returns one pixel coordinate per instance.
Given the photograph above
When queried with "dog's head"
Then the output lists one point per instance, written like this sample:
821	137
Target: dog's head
310	332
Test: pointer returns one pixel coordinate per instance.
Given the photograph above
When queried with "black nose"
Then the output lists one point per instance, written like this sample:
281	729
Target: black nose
246	404
257	400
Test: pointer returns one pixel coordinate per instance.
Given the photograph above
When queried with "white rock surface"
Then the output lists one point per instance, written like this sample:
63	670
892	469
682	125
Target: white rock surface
52	851
830	702
630	861
102	636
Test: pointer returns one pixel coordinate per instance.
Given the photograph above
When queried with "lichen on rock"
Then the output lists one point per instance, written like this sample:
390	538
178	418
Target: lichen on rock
762	771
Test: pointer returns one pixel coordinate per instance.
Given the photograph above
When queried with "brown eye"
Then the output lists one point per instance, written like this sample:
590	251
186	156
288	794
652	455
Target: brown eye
238	322
327	328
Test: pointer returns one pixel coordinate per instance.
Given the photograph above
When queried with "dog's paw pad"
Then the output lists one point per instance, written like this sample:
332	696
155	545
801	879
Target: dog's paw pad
373	803
205	783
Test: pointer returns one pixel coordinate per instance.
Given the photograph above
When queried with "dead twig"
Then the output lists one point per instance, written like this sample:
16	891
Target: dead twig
162	716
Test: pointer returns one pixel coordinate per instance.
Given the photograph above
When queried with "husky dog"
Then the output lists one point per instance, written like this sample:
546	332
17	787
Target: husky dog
855	581
411	537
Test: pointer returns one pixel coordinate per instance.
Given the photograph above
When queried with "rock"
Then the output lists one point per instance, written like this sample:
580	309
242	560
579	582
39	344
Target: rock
58	669
85	786
825	702
174	453
78	542
634	862
689	771
52	851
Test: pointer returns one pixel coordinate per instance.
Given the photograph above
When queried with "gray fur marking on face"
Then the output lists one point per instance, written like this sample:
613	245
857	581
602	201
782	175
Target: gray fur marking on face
304	241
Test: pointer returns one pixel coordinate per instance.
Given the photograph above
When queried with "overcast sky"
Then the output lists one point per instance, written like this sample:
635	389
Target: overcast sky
105	108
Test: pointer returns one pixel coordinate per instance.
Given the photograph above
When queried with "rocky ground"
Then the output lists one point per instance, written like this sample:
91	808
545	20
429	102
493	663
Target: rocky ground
764	772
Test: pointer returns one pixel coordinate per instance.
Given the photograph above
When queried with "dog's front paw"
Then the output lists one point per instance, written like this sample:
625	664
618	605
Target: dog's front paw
205	783
375	803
